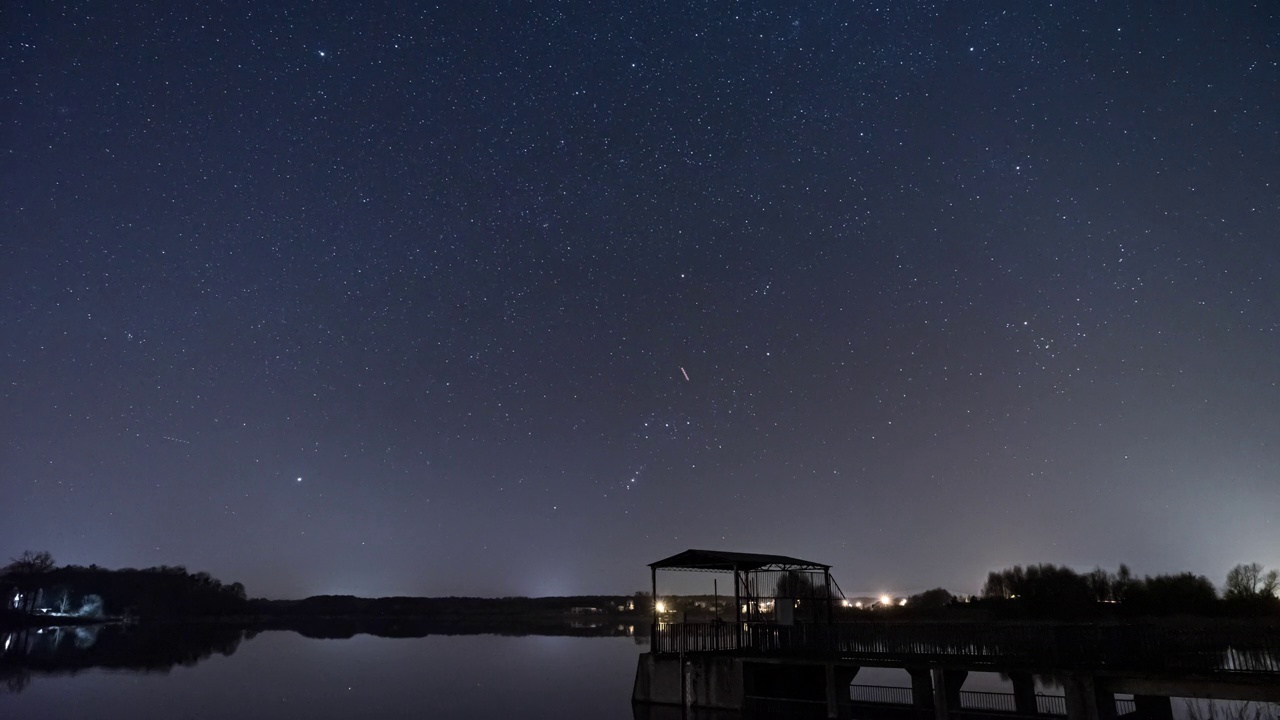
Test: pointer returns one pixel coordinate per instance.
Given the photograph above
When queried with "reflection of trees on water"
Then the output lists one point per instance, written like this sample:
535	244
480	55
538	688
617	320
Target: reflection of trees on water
158	647
143	648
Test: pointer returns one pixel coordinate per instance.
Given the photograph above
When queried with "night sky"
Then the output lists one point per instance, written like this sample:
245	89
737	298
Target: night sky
516	297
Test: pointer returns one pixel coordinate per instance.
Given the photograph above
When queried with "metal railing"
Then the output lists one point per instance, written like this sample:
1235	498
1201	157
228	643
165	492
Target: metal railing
975	700
881	694
1229	649
696	637
982	700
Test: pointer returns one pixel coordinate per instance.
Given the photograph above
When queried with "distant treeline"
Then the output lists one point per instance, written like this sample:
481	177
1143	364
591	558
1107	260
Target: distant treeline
33	588
1054	591
452	607
31	585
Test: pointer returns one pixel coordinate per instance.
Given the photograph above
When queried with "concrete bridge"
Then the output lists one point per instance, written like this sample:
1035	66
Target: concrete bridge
733	665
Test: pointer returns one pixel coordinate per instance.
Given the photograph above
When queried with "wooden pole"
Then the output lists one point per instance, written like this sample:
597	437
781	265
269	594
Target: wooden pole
653	599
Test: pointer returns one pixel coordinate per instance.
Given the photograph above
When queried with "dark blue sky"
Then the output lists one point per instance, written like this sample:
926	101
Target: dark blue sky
386	298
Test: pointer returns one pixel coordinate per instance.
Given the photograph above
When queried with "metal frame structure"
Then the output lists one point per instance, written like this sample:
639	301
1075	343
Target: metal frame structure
747	569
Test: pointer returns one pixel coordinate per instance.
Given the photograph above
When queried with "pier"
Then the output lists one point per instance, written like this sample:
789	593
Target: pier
803	655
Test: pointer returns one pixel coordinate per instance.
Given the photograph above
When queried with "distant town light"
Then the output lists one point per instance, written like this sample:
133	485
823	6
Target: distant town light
902	602
858	604
662	607
886	600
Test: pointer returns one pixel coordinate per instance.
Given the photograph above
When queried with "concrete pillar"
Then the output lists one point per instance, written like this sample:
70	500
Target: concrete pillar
1088	698
833	697
839	678
921	692
946	691
1024	693
1153	707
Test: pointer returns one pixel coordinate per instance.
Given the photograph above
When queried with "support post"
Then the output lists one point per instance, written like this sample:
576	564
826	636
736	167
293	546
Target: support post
940	708
921	692
653	600
826	579
1024	693
1153	707
844	678
833	699
737	609
1088	698
838	680
946	691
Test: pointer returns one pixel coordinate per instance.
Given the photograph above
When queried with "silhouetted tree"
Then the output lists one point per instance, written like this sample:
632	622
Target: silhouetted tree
29	563
930	599
1123	581
1185	593
793	584
996	587
1248	581
1041	589
22	573
1102	585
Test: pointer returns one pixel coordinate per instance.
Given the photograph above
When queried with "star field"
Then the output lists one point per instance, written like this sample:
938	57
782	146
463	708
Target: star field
514	298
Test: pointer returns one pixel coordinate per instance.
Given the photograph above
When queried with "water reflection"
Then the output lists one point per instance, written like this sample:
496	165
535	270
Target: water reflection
71	649
215	671
286	675
159	647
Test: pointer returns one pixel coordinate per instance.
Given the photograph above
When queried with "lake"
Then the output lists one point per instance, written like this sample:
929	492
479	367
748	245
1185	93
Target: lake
217	671
286	675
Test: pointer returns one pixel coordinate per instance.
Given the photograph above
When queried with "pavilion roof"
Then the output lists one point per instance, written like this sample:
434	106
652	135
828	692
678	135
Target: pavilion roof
718	560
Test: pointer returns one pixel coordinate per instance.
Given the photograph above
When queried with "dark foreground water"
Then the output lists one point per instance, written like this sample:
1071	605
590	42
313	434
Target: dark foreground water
285	675
117	673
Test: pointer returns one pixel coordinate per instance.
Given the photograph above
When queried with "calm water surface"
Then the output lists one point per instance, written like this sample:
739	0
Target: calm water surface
282	674
285	675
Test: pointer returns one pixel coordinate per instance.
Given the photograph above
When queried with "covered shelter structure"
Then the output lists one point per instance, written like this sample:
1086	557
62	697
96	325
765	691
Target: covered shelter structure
765	587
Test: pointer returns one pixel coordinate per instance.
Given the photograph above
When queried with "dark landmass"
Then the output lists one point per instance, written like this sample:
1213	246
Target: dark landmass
63	620
34	592
340	616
